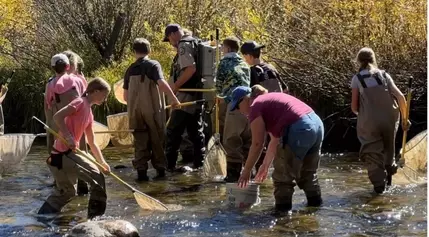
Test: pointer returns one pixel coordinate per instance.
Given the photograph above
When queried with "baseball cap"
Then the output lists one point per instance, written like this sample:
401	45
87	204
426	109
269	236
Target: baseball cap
250	46
171	28
57	58
238	94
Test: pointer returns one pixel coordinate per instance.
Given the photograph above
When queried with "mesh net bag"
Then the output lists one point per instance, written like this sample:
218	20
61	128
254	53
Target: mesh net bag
415	164
119	91
416	152
215	162
101	139
117	122
14	149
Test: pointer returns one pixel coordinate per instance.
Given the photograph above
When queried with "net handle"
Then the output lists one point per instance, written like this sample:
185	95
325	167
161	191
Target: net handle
407	116
217	100
92	159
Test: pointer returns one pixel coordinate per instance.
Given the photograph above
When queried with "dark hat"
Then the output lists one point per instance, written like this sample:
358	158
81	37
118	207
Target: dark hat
171	28
250	46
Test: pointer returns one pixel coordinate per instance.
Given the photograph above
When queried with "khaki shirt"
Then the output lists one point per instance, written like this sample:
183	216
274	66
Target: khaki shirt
185	59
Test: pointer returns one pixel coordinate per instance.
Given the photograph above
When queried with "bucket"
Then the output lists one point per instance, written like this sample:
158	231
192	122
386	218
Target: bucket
243	197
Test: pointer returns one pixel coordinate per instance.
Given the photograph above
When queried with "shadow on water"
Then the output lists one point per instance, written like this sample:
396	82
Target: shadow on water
350	208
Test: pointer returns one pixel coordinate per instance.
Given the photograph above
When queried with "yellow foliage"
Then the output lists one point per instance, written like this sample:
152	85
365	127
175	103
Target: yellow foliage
15	20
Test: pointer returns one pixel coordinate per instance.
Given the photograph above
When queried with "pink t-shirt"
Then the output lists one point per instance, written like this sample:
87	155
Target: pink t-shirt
77	122
278	110
83	84
63	84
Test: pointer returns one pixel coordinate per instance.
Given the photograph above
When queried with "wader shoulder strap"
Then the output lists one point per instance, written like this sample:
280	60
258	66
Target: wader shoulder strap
361	79
144	67
378	78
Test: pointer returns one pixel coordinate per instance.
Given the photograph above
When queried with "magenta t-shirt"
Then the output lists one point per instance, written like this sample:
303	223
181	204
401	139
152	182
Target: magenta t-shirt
278	110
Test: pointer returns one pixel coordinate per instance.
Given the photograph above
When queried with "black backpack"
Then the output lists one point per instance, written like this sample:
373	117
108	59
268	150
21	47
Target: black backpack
263	72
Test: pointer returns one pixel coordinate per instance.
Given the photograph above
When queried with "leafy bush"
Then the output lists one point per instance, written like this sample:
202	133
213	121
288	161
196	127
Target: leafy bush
312	43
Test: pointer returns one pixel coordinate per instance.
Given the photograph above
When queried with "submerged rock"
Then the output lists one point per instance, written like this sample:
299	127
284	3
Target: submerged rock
106	228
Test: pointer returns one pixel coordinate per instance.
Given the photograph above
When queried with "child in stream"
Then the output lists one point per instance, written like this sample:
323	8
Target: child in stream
75	120
65	86
377	118
76	67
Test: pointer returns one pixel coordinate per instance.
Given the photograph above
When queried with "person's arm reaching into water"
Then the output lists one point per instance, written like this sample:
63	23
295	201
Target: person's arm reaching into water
257	127
268	160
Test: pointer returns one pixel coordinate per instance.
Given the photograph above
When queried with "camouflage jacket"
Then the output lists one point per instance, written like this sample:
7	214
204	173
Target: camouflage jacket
231	73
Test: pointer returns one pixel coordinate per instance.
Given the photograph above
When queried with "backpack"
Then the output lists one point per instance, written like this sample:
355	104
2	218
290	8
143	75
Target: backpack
266	76
205	59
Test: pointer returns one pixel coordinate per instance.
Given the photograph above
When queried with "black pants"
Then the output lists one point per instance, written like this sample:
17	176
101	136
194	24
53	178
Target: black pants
179	121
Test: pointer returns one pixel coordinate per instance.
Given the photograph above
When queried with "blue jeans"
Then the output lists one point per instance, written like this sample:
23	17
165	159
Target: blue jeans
297	159
305	136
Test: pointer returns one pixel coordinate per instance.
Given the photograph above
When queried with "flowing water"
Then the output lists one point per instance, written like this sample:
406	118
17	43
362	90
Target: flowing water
350	208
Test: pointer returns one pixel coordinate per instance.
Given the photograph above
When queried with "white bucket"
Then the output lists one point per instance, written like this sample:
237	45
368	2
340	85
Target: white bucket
243	197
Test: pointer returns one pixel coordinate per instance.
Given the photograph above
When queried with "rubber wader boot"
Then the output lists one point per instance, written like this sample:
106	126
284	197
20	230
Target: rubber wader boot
187	158
379	189
233	171
142	176
391	170
160	174
284	207
47	209
314	199
96	208
82	187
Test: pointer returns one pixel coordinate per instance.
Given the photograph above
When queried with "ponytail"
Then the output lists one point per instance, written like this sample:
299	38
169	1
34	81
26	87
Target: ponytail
366	59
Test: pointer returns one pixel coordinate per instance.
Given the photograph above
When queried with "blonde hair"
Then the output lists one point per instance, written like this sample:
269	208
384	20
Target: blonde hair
75	60
95	84
366	59
72	58
257	90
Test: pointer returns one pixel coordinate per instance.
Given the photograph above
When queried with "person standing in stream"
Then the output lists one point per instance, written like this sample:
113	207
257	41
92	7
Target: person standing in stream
74	121
296	135
143	82
184	75
61	90
233	72
373	101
